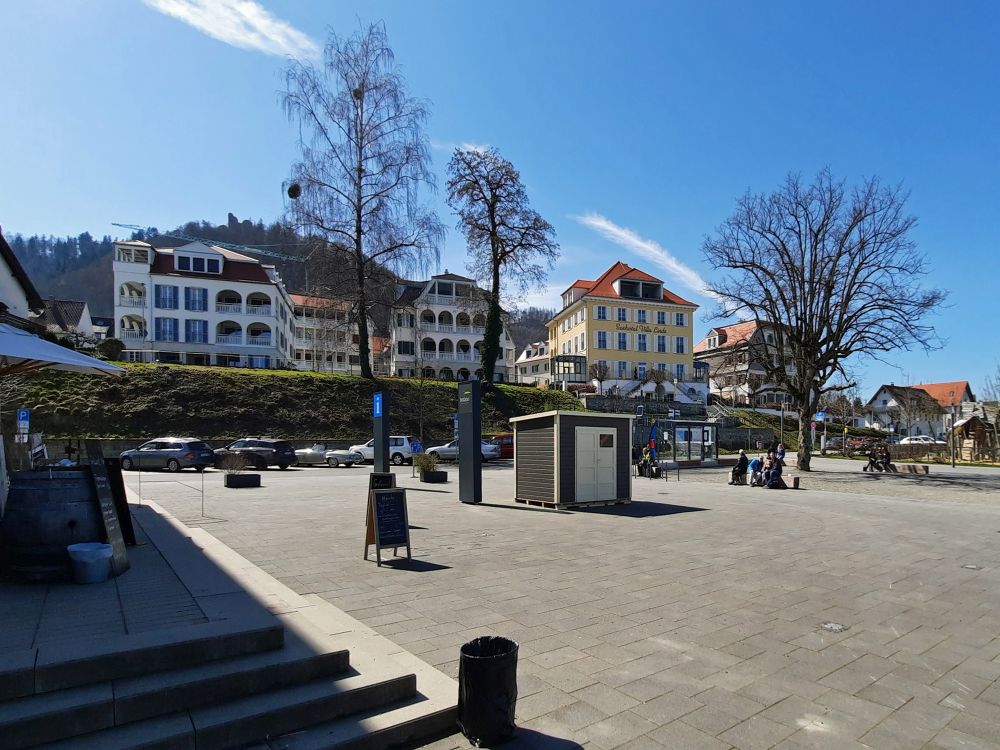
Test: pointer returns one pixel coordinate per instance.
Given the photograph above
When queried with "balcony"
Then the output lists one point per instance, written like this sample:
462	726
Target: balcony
130	300
229	338
258	340
262	310
131	335
227	307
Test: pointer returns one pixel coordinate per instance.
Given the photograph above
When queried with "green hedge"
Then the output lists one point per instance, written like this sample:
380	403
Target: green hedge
219	403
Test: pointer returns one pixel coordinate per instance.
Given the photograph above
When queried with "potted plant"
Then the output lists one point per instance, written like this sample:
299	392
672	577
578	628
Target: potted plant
426	464
232	466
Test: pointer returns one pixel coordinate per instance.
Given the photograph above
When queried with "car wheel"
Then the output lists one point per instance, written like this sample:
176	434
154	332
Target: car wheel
283	466
127	464
199	469
332	463
349	464
434	453
173	465
397	459
483	458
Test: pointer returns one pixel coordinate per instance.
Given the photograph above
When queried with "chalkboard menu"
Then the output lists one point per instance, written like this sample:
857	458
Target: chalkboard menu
381	480
387	524
114	467
106	503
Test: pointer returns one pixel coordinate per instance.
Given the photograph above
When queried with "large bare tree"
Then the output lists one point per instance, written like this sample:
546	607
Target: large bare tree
364	158
508	241
838	273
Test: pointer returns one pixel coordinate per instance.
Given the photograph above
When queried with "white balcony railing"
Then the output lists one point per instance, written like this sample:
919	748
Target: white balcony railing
228	307
128	334
228	338
131	300
259	340
428	355
463	329
264	310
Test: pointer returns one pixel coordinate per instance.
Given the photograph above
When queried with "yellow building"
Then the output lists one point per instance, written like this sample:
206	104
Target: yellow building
627	320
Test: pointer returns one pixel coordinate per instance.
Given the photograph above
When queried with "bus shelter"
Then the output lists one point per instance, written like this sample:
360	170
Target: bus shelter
682	442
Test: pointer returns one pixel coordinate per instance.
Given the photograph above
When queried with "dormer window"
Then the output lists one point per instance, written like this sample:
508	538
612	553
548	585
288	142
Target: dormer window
196	263
183	263
639	289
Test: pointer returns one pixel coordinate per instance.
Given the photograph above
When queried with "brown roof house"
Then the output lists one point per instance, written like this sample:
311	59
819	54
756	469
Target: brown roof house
906	410
67	319
738	358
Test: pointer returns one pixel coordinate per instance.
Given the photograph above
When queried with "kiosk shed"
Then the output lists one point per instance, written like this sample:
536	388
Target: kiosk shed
566	459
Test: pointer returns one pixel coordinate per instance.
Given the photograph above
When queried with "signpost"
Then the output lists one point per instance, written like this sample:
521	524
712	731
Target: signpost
106	503
380	419
387	524
23	419
470	452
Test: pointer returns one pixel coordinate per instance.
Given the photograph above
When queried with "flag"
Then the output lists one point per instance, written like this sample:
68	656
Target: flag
652	439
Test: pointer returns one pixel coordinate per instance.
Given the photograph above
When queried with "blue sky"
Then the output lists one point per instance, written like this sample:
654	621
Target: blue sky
635	124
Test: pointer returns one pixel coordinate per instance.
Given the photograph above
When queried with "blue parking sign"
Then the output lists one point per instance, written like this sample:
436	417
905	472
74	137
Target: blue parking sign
23	415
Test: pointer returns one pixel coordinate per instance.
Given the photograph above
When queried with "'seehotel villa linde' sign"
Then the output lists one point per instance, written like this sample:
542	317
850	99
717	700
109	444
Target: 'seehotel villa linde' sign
641	328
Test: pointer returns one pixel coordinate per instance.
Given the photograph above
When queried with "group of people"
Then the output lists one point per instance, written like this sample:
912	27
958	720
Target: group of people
879	458
764	470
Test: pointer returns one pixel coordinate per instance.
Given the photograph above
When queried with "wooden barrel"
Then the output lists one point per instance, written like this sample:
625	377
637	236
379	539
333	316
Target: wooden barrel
46	511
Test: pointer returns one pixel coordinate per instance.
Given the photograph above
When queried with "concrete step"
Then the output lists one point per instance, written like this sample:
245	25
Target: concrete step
174	732
64	665
256	718
68	713
139	698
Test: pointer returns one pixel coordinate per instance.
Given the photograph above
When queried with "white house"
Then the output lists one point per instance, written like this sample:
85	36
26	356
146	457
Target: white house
533	365
923	409
326	340
200	304
18	297
438	330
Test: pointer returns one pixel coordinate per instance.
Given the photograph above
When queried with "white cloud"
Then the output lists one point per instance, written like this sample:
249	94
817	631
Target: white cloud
241	23
480	147
648	249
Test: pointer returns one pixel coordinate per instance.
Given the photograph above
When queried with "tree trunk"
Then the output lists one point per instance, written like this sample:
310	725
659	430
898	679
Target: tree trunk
807	408
494	329
364	347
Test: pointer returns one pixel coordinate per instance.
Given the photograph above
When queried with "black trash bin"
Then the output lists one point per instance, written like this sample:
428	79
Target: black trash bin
487	690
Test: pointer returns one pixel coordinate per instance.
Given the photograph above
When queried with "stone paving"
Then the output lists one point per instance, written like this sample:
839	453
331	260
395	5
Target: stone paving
692	618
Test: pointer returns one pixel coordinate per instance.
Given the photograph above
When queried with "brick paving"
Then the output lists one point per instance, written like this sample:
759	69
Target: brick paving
691	618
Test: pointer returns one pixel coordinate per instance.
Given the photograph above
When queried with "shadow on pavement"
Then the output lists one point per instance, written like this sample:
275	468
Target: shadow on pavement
524	507
413	565
641	509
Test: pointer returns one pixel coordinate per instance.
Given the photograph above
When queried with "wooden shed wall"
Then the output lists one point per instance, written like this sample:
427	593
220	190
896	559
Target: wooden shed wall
533	443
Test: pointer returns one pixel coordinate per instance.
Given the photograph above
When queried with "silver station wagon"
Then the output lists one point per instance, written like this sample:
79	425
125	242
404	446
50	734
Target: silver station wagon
170	453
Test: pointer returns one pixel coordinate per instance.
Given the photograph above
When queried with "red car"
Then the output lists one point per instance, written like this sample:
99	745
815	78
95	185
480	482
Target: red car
506	444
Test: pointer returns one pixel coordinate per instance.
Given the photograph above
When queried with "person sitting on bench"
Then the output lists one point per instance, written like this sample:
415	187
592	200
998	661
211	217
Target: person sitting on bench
756	468
873	460
739	475
772	478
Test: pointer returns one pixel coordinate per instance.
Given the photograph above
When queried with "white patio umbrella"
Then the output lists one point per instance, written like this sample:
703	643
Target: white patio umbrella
22	352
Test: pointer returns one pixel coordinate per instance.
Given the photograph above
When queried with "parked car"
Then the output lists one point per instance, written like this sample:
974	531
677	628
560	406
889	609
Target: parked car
449	451
259	452
921	440
401	449
314	454
335	458
170	453
506	444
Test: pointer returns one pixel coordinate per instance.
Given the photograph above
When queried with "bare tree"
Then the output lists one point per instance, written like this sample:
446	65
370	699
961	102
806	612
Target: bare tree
834	270
657	377
842	405
364	158
599	371
507	239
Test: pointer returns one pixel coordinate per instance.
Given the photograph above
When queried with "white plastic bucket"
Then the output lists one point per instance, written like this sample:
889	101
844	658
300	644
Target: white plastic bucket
91	562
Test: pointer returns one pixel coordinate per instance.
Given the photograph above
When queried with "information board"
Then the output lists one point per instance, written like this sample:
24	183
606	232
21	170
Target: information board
114	467
106	503
387	524
381	480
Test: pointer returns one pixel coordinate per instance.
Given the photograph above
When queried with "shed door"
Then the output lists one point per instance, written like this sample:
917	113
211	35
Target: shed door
596	472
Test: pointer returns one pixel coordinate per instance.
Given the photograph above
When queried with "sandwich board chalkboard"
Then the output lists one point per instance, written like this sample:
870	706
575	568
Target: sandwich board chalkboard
106	503
387	524
381	480
114	468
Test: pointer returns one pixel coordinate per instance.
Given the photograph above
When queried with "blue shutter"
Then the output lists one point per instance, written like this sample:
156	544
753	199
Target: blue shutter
158	295
157	327
187	298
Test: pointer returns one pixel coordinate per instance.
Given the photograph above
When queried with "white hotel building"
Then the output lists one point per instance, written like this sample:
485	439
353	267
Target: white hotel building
438	331
201	304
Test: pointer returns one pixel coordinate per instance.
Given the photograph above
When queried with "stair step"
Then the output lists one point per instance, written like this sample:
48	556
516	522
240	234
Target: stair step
37	719
174	732
67	665
139	698
379	729
258	717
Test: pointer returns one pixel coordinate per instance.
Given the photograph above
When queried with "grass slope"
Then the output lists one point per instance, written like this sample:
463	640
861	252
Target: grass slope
219	403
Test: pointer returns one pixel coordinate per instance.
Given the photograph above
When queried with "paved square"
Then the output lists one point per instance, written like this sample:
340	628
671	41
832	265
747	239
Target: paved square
691	618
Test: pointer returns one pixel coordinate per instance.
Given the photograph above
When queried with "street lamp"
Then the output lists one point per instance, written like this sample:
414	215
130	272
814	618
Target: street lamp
953	436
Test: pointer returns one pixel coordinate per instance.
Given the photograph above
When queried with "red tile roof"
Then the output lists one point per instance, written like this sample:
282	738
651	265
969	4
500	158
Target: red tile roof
603	286
232	270
306	300
946	394
731	335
